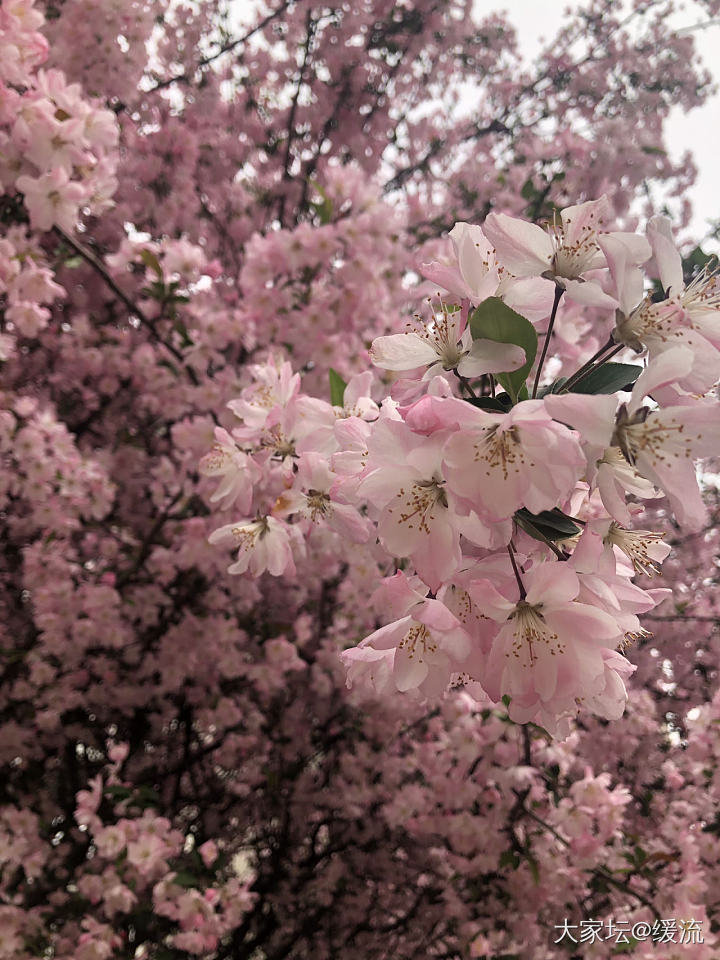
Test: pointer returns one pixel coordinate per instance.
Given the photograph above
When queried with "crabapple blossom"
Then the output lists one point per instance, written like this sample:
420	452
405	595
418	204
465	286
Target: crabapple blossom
403	479
475	276
660	443
564	253
310	497
238	471
262	544
502	462
428	643
642	323
444	345
549	649
198	212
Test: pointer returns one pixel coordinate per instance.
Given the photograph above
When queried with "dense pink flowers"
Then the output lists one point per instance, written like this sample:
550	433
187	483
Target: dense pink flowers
565	253
454	479
425	646
323	633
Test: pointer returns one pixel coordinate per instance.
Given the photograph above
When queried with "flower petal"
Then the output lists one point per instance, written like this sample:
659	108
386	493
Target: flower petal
489	356
593	416
522	248
589	294
402	351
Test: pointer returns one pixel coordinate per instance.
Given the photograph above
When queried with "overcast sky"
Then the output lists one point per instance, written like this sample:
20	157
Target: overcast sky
698	131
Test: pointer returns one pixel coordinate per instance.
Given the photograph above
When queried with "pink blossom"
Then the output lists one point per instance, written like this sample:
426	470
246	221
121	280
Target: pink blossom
208	851
502	462
237	470
477	276
52	199
146	853
429	642
263	544
565	253
403	478
659	326
445	344
663	443
311	498
549	649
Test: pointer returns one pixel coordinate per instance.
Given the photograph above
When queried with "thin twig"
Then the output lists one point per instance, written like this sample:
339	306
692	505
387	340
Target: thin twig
546	540
598	871
466	383
99	267
226	48
588	363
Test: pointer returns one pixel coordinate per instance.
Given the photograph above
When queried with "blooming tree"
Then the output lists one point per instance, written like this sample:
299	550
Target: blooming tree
318	622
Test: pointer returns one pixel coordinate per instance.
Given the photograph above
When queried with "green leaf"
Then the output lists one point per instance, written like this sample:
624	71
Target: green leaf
183	878
555	387
506	699
323	210
534	869
608	378
528	191
553	524
494	320
184	335
147	797
151	261
337	388
509	858
117	792
493	404
696	260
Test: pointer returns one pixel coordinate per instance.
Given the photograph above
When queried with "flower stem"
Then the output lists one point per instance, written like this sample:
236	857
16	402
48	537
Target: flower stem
588	367
466	383
521	585
547	541
558	294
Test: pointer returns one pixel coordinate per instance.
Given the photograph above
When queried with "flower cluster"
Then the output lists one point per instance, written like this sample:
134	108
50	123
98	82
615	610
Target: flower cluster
56	148
512	514
28	286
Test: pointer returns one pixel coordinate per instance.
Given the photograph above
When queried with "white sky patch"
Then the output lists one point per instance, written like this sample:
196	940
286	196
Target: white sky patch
697	131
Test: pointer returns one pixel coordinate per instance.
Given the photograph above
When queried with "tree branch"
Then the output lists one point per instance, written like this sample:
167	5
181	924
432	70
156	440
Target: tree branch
226	48
100	268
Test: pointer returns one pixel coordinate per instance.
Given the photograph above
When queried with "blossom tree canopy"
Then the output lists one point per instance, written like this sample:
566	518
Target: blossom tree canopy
357	383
